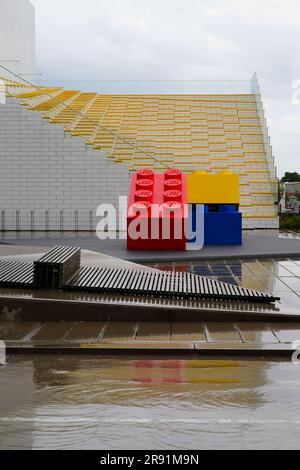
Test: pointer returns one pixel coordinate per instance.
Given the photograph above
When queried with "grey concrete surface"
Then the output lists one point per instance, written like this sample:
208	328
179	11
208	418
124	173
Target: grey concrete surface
254	246
169	338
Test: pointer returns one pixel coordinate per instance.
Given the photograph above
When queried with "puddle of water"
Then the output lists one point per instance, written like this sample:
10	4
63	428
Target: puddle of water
101	403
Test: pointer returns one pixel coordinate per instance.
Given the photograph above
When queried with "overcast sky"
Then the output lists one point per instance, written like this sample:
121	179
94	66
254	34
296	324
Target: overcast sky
183	40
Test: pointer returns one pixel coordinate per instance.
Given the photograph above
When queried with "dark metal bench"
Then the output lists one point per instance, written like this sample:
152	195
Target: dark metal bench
53	270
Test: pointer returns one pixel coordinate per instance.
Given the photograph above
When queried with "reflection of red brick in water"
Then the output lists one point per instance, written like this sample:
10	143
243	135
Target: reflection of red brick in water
161	364
151	372
158	380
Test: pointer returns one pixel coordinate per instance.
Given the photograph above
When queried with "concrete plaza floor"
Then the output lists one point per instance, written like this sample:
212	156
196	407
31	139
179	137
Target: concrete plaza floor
256	244
32	321
154	338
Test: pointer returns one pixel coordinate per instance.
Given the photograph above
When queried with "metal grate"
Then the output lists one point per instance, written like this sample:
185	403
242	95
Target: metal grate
163	284
53	270
16	274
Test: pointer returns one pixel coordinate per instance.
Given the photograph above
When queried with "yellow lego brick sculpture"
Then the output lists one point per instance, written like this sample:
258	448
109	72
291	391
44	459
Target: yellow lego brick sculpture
207	188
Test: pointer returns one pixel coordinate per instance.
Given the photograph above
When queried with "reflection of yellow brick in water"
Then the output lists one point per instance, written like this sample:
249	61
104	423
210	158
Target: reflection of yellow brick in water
210	372
210	363
207	188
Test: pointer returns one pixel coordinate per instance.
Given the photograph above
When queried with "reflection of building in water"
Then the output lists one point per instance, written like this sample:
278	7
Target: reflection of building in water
259	276
91	381
34	393
17	387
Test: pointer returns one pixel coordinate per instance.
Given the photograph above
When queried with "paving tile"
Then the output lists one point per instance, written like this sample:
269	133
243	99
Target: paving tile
276	268
251	283
221	332
285	261
245	270
256	333
189	331
256	268
294	269
227	279
283	272
150	331
289	302
119	331
265	282
166	267
202	270
87	331
53	330
277	285
287	264
236	270
221	272
292	282
17	330
286	333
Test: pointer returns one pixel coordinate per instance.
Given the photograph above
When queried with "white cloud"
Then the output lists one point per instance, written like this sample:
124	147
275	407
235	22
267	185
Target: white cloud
185	39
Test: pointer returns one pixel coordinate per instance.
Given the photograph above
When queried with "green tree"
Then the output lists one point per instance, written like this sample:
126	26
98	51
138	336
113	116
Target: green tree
280	192
290	177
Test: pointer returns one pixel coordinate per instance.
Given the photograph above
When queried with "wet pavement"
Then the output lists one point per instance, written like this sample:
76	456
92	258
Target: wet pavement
171	326
222	338
167	384
66	402
281	277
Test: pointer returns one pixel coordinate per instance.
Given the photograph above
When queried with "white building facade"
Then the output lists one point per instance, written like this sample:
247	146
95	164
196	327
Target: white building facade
50	180
17	37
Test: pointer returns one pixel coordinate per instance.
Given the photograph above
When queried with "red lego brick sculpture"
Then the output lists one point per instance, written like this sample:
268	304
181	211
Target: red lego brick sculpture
157	211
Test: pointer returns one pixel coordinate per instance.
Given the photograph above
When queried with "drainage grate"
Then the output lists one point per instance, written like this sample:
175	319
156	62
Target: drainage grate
160	283
54	269
60	269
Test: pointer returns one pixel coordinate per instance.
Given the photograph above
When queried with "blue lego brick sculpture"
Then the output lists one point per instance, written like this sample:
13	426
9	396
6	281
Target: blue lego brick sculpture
222	225
223	228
